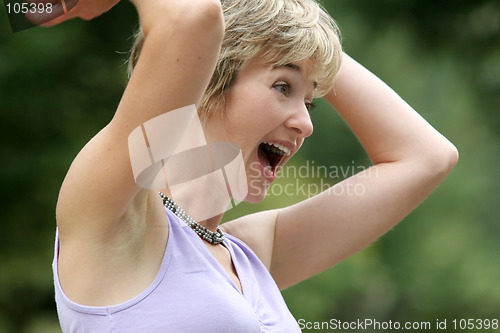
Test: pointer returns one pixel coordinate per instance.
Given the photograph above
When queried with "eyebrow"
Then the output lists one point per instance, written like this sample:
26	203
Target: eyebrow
295	68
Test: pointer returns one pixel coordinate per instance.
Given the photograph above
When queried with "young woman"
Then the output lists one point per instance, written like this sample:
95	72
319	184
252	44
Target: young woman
126	259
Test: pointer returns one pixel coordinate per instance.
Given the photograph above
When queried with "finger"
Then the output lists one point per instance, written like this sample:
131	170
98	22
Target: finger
56	21
67	6
43	1
70	4
47	11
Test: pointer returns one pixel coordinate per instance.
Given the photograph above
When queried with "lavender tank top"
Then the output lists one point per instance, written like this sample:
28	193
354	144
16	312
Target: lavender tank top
192	293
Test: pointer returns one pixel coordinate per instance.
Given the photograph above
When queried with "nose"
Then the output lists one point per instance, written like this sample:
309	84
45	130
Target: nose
300	122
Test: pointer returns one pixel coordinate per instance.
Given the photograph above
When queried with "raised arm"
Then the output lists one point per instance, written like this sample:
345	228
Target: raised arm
387	127
410	159
182	42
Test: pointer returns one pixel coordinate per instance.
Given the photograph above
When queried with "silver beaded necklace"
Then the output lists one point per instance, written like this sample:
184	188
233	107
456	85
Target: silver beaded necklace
208	235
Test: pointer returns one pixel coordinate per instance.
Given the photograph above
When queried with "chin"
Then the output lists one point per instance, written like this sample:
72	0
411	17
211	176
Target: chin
256	195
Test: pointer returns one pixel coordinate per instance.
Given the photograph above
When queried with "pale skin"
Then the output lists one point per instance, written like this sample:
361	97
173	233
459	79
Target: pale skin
113	234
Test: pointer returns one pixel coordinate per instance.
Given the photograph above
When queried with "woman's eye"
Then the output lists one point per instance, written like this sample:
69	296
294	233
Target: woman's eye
283	88
310	106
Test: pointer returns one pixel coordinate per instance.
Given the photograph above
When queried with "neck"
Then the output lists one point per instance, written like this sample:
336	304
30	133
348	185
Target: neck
212	223
201	187
205	207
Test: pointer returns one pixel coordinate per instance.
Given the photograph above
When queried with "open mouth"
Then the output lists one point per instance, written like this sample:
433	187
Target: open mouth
271	155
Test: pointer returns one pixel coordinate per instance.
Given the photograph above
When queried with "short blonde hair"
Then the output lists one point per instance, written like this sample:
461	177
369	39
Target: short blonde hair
280	32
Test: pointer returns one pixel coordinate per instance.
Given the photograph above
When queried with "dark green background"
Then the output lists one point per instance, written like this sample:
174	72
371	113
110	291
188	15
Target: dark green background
59	86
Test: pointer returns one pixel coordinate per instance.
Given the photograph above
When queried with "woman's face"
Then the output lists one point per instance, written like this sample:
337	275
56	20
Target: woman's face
267	116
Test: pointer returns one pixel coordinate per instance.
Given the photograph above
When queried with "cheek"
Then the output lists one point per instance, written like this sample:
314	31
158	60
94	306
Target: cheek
240	112
248	121
299	143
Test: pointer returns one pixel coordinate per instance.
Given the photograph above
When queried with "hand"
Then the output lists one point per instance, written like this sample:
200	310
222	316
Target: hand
63	10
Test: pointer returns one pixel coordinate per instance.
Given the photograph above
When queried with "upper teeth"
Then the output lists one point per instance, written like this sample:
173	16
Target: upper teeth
278	149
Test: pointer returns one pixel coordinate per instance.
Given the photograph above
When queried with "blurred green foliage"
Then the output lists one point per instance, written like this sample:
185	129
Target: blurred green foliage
59	86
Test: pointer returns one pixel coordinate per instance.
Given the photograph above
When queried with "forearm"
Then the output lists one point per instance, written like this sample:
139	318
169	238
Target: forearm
387	127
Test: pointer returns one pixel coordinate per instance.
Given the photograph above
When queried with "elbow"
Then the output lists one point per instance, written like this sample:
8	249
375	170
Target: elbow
207	15
443	159
195	16
213	11
449	157
453	157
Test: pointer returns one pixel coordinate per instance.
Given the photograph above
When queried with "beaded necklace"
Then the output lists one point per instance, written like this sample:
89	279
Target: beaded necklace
208	235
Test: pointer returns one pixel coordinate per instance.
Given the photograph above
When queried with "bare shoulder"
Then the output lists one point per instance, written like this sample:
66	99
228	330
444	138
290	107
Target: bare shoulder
257	231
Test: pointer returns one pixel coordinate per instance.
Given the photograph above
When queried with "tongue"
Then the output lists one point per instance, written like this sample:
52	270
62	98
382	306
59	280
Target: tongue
263	159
